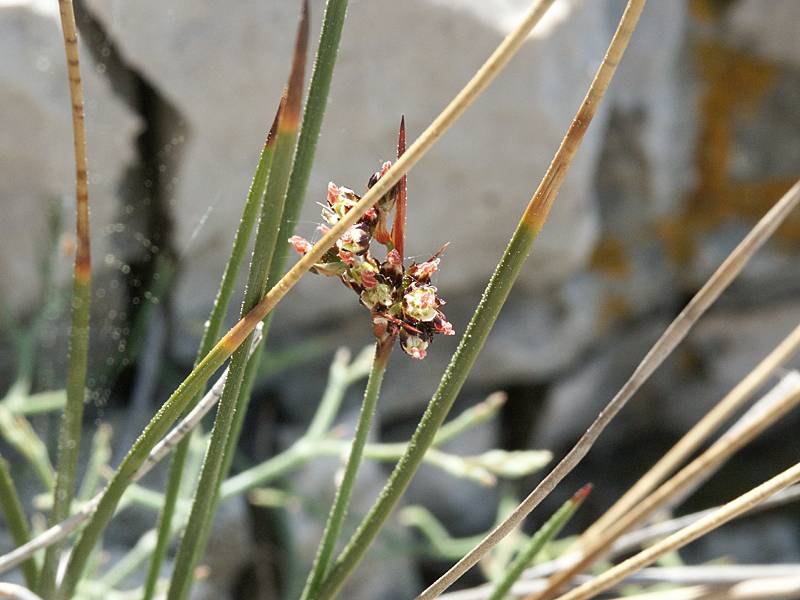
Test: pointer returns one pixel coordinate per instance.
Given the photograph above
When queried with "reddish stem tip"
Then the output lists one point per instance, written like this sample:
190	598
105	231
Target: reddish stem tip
582	493
291	119
399	225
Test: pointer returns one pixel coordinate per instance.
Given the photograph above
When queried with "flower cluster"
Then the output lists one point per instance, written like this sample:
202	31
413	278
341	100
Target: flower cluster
402	301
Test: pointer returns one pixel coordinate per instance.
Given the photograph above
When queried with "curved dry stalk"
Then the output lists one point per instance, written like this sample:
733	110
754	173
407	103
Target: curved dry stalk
760	588
697	434
173	407
16	592
668	341
61	530
774	405
706	580
727	512
532	581
534	217
451	113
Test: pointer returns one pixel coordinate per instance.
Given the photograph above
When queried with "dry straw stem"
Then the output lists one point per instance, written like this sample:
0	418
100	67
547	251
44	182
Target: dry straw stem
761	581
70	433
651	533
239	332
63	529
452	112
534	217
532	580
775	404
762	588
729	511
668	341
697	434
17	592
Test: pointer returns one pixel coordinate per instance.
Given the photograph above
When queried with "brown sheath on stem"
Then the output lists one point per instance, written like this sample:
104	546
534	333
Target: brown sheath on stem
399	225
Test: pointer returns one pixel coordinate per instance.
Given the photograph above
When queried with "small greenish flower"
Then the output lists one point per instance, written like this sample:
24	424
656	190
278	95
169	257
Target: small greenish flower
413	345
355	240
378	296
340	201
421	303
402	302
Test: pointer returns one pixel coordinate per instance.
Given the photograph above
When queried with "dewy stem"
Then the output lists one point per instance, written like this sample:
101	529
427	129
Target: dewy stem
530	550
181	398
69	438
210	335
333	527
483	319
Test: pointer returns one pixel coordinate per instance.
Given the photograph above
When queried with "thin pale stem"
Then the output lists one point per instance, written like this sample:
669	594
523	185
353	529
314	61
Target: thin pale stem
210	336
181	398
651	533
777	403
341	500
70	434
545	534
484	317
668	463
235	396
18	432
677	540
14	591
668	341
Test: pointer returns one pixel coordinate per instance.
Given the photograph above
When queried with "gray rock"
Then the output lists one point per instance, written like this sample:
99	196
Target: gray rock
768	30
722	349
36	154
226	68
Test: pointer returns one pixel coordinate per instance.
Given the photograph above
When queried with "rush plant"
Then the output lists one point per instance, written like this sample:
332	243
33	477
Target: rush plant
362	245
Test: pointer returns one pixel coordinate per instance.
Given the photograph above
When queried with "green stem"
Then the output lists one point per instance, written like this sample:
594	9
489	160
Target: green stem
485	315
19	433
342	499
69	438
35	404
313	113
469	418
339	379
210	335
16	520
453	379
221	445
128	564
545	534
444	545
155	430
340	376
294	192
99	458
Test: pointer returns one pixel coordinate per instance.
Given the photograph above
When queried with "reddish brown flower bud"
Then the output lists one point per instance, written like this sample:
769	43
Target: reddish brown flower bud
300	245
402	302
